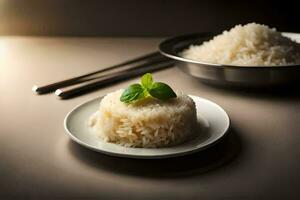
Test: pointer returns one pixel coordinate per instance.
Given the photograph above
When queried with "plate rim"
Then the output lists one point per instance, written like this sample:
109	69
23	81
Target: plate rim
171	155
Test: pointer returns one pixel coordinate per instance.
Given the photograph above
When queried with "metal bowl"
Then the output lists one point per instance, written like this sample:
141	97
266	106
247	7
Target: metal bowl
230	75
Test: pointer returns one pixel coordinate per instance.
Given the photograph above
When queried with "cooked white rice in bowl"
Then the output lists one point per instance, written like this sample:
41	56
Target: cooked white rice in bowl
147	123
249	45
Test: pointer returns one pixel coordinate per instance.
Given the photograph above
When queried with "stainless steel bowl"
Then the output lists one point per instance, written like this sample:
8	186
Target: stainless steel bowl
244	76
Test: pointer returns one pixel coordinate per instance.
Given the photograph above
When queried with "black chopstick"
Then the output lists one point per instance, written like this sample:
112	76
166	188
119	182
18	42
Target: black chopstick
132	67
155	60
119	76
79	79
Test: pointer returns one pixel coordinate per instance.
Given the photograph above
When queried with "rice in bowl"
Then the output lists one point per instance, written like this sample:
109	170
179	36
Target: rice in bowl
249	45
148	123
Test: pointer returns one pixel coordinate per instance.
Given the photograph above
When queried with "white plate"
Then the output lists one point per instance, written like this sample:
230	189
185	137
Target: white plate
212	118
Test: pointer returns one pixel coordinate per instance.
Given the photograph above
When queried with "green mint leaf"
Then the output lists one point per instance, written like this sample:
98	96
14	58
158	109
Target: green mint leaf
147	88
162	91
147	81
132	93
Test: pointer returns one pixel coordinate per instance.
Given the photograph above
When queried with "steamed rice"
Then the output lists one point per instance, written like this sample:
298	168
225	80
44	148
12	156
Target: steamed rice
146	123
249	45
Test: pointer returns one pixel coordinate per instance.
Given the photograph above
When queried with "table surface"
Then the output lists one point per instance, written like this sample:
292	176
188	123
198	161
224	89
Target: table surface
258	160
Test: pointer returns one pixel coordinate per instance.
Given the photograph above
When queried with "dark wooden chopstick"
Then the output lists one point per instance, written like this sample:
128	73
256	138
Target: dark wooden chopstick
154	60
79	79
119	76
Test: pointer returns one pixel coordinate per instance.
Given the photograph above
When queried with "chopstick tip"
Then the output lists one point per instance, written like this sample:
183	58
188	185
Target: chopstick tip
35	88
58	92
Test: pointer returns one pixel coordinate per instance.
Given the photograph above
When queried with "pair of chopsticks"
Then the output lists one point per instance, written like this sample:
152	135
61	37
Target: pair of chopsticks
94	80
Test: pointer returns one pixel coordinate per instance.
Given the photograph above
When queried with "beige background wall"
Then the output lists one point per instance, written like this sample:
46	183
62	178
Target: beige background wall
140	18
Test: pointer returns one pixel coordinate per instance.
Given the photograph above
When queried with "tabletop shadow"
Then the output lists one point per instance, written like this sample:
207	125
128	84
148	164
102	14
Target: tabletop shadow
191	165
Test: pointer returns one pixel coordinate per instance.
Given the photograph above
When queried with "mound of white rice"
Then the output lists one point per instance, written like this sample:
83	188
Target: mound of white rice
249	45
146	123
